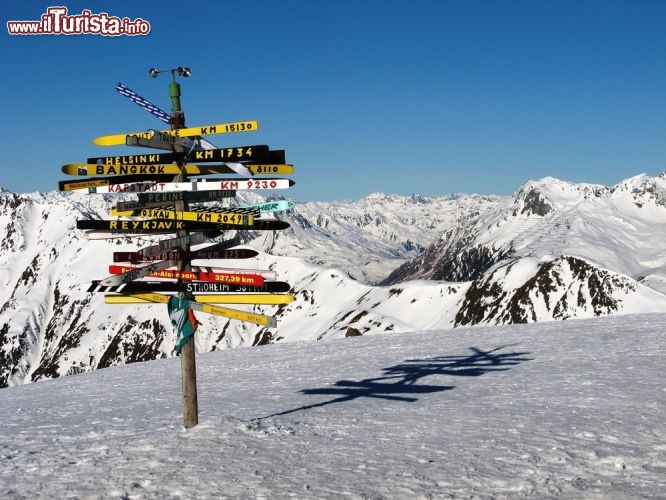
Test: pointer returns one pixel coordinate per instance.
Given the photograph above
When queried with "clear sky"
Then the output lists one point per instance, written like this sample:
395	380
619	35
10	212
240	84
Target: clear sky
402	97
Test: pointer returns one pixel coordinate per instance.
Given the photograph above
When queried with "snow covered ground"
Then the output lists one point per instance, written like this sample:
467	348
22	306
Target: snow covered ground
571	409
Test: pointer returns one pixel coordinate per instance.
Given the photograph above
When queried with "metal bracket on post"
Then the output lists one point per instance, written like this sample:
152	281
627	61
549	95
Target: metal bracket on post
177	116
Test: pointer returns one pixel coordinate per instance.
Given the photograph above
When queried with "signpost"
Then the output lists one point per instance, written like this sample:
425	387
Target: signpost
153	169
140	185
164	194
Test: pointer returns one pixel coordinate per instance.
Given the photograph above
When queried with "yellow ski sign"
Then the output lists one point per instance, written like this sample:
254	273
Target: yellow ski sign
228	298
219	128
258	319
236	219
169	169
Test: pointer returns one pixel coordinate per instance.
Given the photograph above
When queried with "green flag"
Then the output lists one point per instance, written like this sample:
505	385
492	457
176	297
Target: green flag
182	319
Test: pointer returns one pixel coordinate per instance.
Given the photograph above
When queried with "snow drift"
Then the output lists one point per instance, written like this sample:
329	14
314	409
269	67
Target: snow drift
568	409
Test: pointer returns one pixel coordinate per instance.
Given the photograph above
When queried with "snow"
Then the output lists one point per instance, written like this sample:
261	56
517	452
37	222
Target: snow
572	409
370	237
603	225
52	327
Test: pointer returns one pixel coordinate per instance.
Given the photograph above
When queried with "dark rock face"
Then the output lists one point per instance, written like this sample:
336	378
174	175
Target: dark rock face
533	203
352	332
452	258
562	287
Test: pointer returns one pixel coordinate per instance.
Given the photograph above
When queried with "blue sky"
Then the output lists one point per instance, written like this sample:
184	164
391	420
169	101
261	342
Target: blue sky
427	97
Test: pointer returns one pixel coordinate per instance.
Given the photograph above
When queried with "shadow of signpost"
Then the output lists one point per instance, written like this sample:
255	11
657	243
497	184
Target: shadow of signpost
401	382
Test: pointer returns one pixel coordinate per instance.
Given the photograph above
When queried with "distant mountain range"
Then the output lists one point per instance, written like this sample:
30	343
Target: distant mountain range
553	251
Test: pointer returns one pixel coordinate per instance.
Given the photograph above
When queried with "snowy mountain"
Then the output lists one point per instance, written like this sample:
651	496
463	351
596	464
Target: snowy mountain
370	237
549	217
554	251
569	409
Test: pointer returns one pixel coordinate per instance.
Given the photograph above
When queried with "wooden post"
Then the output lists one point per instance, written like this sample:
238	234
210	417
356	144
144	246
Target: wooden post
188	370
188	367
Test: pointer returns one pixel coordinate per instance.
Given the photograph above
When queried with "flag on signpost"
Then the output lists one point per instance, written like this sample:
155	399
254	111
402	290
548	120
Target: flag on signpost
182	319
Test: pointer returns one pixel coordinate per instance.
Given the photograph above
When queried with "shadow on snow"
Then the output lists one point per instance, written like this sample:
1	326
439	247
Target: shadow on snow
401	382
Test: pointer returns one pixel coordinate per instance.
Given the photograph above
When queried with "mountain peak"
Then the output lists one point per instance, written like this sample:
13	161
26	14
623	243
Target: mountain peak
643	189
561	192
530	200
376	197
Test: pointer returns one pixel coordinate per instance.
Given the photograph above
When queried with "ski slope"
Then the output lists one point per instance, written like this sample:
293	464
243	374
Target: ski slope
572	409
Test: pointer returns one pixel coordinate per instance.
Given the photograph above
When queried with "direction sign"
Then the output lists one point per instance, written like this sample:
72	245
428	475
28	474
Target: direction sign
267	274
227	298
219	128
172	197
244	169
234	278
125	170
282	169
242	153
229	253
160	140
131	286
224	217
237	153
271	206
157	226
137	273
142	212
192	185
144	103
160	226
258	319
195	239
182	241
95	182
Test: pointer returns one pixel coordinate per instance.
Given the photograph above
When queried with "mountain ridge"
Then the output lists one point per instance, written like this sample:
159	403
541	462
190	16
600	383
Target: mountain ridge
553	251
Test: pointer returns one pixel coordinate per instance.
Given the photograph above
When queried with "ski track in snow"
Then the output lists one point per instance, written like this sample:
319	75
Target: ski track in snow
571	409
